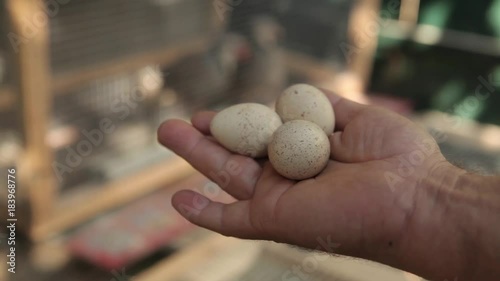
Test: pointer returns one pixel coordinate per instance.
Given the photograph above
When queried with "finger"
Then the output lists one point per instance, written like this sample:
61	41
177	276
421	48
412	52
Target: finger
341	149
227	219
344	109
271	184
201	121
235	174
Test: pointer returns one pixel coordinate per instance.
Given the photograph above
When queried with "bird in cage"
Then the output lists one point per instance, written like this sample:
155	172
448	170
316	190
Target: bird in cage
203	80
264	76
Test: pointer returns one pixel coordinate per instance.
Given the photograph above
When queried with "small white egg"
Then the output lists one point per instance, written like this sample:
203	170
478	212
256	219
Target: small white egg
305	102
245	128
299	150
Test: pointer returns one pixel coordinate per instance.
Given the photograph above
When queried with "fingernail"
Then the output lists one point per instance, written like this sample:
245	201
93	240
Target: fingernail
200	202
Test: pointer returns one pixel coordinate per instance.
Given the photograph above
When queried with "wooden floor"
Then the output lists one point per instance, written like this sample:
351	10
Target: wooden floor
208	256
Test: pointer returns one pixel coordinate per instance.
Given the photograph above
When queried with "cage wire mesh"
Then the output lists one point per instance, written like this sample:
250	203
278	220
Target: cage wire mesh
85	34
128	103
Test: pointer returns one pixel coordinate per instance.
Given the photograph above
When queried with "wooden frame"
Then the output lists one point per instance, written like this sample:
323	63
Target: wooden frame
49	216
37	86
35	83
76	209
363	13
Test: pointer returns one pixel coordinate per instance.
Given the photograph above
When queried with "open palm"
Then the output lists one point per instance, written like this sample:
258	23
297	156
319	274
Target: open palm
362	201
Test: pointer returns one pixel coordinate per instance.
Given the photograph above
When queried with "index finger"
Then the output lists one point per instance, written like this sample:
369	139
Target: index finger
236	174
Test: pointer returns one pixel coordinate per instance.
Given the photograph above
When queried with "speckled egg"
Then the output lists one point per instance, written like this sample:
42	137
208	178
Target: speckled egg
299	150
305	102
245	128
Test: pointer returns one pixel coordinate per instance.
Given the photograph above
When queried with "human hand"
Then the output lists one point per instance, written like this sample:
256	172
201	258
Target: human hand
374	199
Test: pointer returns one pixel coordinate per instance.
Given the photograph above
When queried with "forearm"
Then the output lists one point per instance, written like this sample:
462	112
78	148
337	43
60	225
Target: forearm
475	203
454	233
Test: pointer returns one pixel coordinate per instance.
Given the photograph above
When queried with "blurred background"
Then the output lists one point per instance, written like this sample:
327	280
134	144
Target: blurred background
85	83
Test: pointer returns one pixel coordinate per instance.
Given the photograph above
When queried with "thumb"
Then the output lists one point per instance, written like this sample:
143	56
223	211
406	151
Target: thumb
344	109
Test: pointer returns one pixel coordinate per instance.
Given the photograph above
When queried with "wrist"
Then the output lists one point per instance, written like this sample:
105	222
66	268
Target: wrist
431	245
426	242
474	204
452	229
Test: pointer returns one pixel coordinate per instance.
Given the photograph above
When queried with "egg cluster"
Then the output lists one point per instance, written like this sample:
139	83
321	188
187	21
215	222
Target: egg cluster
295	137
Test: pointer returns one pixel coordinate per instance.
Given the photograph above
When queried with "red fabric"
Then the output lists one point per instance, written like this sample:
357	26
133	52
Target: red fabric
122	237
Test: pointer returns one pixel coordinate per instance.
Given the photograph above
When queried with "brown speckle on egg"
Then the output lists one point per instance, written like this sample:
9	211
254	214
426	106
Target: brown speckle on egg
299	150
305	102
245	128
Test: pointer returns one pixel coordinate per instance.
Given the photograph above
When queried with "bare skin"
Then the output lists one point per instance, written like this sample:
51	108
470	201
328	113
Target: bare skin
387	195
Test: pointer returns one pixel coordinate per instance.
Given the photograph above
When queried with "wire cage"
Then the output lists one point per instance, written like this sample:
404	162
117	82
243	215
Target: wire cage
84	32
129	102
329	20
85	94
87	34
